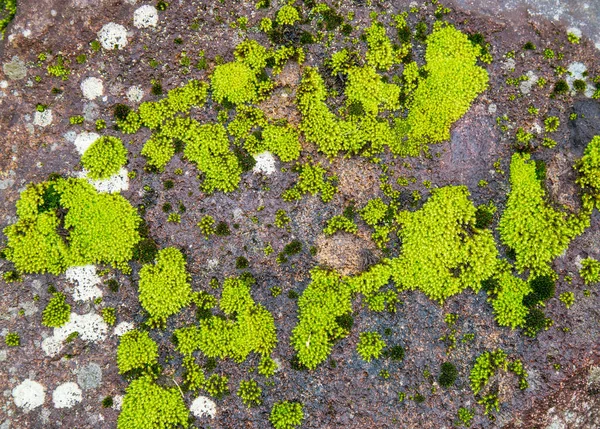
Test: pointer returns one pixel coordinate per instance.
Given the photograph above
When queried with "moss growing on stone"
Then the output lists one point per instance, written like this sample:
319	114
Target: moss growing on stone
164	287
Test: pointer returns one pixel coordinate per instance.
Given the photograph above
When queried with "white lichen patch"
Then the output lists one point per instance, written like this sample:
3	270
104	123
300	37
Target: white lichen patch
135	94
92	88
526	85
265	163
42	119
203	406
67	395
85	280
29	395
576	71
84	140
145	16
113	36
115	183
123	328
91	327
117	402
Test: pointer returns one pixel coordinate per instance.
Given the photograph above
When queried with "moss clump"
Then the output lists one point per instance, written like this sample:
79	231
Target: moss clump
250	393
542	289
365	87
529	225
66	222
508	295
561	87
287	15
109	314
535	322
234	82
206	226
286	415
12	339
448	374
370	345
136	351
57	312
282	140
217	386
164	287
312	179
590	271
324	300
442	252
340	223
381	53
374	211
148	405
485	367
444	96
588	167
396	353
208	148
252	331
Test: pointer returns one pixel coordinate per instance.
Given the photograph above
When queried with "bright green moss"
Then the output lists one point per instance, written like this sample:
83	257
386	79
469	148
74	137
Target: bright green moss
252	331
465	416
340	223
8	10
287	15
206	226
253	54
148	405
282	140
109	314
131	124
136	351
320	126
485	366
208	147
529	225
164	287
340	62
507	300
590	271
442	251
313	180
158	151
281	219
551	124
374	211
444	96
194	375
179	100
365	87
104	157
324	300
370	345
234	82
217	385
267	366
57	312
588	167
250	393
286	415
567	298
12	339
381	53
102	228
